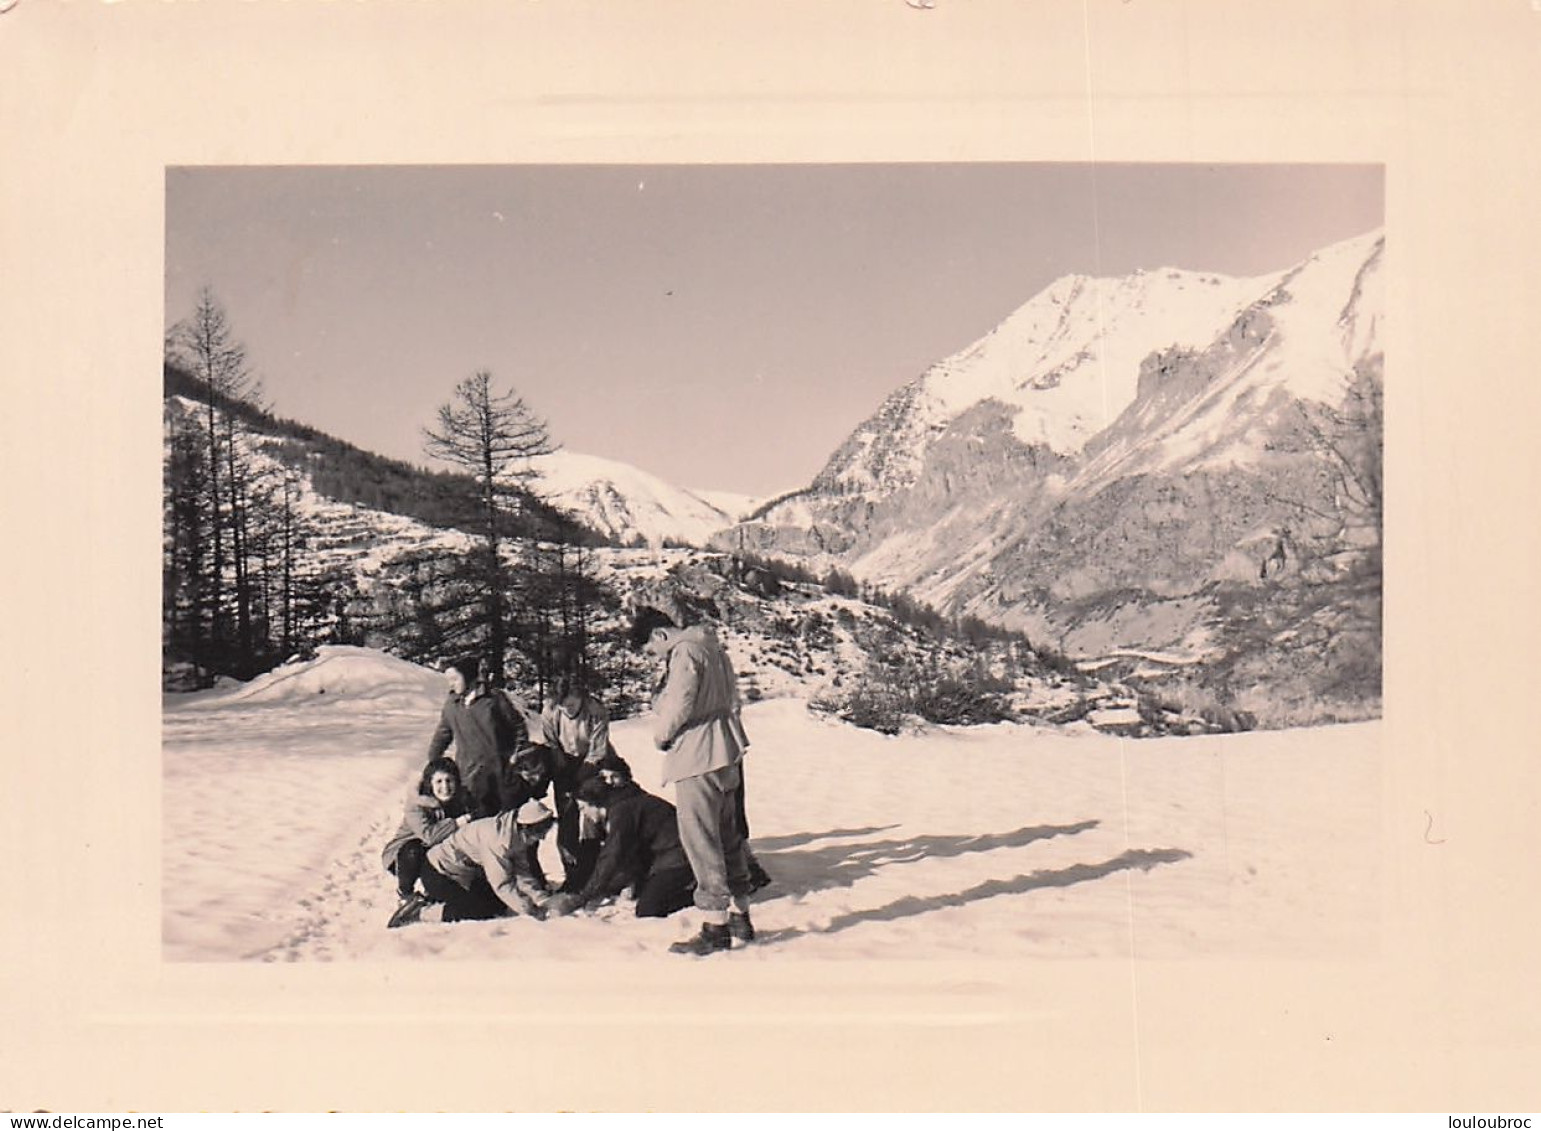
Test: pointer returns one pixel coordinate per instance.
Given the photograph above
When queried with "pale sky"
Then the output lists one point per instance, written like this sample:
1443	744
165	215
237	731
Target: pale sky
723	327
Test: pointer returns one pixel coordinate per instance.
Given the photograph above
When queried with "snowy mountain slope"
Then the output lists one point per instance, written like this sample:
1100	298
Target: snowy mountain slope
383	576
1063	366
1075	359
731	503
386	578
1091	381
1113	441
627	504
1304	339
812	644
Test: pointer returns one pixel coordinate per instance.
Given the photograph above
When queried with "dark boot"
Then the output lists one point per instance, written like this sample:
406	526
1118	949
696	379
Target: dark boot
410	859
713	937
411	907
739	926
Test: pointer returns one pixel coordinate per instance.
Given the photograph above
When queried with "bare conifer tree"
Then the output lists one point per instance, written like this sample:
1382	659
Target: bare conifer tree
206	346
491	436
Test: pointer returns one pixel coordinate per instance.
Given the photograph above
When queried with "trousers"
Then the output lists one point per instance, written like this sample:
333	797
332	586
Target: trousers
663	893
710	834
481	902
411	859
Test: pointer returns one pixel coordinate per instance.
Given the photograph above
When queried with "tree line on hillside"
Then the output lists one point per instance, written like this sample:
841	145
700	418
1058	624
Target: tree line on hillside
233	588
245	585
905	609
349	474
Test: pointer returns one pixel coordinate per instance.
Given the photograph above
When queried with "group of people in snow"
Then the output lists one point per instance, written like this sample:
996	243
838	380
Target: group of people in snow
470	835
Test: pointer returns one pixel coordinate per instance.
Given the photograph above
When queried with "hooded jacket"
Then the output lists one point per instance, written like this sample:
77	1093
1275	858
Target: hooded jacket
491	847
697	709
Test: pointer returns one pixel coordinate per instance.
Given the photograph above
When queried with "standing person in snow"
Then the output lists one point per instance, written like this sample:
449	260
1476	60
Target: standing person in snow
482	870
576	722
435	809
641	847
698	729
576	726
486	732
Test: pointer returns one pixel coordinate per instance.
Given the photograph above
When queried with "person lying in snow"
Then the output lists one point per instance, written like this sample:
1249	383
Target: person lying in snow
641	847
482	871
434	810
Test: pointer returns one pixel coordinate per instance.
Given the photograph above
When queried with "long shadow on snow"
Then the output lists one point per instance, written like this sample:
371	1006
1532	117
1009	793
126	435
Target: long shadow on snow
841	865
794	840
1142	858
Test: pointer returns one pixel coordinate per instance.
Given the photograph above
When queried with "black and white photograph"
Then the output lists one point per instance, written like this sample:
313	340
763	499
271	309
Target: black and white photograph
1033	513
685	557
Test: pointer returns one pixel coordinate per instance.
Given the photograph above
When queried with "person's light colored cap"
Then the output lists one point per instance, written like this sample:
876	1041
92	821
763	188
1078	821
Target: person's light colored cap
533	813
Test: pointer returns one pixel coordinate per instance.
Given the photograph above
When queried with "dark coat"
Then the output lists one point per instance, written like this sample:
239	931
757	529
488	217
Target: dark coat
553	771
486	733
642	838
562	776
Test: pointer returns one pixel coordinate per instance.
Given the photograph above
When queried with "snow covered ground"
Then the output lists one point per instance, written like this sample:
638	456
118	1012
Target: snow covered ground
1000	842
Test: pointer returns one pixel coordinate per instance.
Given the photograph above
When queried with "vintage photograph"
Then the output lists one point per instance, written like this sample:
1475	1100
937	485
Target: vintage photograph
690	557
763	562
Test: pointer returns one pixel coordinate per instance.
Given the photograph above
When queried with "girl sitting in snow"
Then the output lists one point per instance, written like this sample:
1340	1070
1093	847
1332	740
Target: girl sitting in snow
433	812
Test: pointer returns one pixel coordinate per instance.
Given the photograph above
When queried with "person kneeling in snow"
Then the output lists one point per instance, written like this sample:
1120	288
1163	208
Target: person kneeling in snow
483	869
641	846
435	809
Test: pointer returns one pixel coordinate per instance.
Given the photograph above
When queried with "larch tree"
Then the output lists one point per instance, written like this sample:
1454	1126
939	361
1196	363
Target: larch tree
492	436
205	345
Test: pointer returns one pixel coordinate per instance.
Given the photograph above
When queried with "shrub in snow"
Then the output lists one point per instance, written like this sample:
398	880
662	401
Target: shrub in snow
882	700
868	705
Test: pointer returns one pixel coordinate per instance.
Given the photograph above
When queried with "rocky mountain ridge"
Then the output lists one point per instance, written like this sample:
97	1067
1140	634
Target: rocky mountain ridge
1115	450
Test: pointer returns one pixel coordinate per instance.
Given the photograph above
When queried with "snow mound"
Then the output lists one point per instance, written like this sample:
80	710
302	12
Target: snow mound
341	674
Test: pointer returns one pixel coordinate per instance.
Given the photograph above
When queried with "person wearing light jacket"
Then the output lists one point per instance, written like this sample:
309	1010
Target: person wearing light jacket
576	723
483	869
577	727
434	810
696	725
